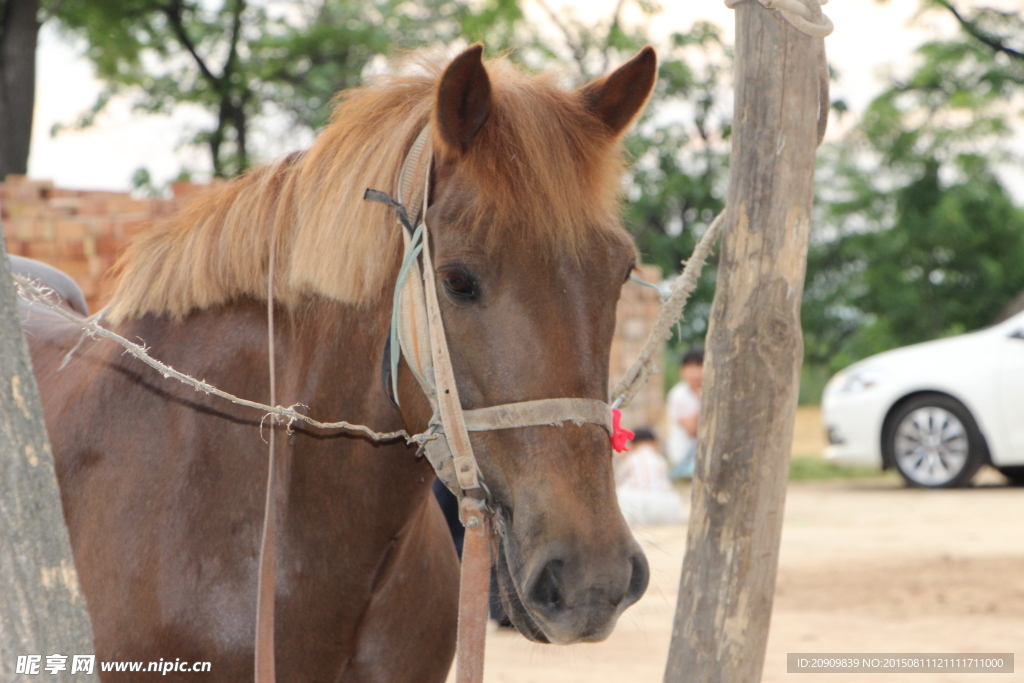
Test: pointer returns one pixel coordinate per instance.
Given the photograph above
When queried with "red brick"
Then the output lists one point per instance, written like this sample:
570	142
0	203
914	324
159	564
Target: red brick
25	230
127	204
93	206
130	228
108	245
44	251
97	266
25	210
71	230
78	269
72	249
44	230
65	205
104	290
185	188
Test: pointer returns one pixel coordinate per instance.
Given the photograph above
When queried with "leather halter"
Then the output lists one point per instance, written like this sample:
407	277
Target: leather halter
418	329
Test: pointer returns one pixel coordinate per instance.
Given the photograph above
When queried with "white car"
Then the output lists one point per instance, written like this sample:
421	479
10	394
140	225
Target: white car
935	411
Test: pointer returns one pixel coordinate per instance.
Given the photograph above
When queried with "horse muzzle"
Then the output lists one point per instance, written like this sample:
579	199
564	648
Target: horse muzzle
566	597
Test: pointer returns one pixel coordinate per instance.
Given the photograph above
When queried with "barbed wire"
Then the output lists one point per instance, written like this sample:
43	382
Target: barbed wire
44	296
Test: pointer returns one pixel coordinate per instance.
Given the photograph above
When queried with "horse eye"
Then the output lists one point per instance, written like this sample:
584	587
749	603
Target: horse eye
629	272
460	285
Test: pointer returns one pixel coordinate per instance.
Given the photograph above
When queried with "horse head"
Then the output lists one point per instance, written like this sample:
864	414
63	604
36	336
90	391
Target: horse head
529	257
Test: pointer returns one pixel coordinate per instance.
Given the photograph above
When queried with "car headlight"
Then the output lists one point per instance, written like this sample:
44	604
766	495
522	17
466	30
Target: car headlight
856	381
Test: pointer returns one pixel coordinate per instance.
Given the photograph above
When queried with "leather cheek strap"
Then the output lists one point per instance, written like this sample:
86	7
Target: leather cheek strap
422	341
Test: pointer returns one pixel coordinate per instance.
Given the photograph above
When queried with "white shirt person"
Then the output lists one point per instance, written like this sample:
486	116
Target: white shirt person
642	485
683	410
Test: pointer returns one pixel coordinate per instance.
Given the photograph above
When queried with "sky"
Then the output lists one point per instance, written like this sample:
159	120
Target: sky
869	39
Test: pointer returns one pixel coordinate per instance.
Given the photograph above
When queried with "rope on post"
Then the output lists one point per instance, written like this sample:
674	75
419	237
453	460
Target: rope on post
671	313
804	15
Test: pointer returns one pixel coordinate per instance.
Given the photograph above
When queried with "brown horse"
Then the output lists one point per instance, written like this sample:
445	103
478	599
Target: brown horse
163	487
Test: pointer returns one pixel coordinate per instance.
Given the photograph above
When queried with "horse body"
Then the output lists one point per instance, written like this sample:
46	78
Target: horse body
163	491
163	487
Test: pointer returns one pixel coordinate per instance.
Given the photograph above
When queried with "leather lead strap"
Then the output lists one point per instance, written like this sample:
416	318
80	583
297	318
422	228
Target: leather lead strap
275	506
474	590
265	583
265	594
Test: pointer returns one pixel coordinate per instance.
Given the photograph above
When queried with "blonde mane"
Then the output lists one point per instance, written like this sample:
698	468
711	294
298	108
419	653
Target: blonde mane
544	172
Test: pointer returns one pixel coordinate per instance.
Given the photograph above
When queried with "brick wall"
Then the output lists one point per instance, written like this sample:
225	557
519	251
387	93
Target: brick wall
637	310
82	232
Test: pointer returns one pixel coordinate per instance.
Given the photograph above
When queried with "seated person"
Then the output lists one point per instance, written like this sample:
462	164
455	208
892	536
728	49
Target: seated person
683	410
644	490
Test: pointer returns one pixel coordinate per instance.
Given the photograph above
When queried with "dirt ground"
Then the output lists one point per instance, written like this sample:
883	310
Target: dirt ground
866	566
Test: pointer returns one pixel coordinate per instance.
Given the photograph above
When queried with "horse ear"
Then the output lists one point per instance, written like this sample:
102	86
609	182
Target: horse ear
463	99
619	97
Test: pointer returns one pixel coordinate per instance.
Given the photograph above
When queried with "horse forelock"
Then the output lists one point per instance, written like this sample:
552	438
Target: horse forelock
543	174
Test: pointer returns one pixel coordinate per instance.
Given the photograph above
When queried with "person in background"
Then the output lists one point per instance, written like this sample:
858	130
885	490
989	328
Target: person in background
642	485
683	408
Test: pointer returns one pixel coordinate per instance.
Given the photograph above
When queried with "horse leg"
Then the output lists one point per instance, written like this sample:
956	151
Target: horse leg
408	630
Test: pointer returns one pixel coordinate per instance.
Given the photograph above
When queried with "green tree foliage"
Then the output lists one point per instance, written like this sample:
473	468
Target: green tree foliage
681	150
240	60
917	238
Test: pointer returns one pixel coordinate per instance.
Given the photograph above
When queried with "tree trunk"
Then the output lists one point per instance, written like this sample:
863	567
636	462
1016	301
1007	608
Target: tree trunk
19	29
755	349
241	133
42	611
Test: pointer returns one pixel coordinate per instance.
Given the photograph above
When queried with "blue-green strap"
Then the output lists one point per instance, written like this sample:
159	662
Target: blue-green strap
645	283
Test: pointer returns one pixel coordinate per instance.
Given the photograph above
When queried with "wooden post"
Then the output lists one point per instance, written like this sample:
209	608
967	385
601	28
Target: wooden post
754	353
42	611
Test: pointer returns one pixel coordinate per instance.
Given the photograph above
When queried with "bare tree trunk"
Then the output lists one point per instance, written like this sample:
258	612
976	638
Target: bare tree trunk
19	30
42	611
755	349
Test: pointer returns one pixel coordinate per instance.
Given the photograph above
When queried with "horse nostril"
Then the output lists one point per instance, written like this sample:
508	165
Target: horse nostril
638	579
547	594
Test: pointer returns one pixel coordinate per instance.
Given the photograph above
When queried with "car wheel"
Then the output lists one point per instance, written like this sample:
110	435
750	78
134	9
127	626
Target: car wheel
934	442
1014	474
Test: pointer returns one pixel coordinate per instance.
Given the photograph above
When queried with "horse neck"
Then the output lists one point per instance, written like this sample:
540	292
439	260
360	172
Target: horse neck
332	365
327	359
